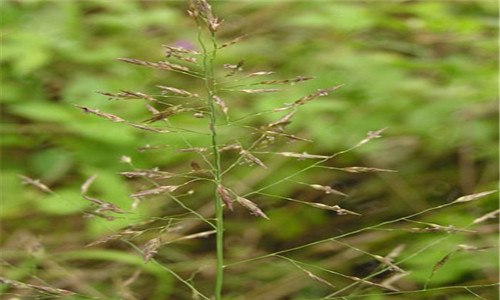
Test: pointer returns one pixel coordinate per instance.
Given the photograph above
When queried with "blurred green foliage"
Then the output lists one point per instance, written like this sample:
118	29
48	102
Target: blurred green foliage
426	70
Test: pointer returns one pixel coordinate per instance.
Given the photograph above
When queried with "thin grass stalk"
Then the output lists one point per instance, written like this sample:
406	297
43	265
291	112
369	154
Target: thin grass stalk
208	64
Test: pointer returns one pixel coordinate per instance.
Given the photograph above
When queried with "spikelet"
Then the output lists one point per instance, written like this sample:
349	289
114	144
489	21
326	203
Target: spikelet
193	149
200	9
252	207
86	185
252	158
41	288
195	167
149	147
286	81
487	216
224	195
473	197
153	174
96	112
179	53
364	170
177	91
305	99
147	128
161	65
155	191
221	104
261	73
115	236
124	94
370	136
327	189
36	183
232	42
151	249
103	206
286	135
340	211
282	122
259	91
303	155
170	111
230	147
173	49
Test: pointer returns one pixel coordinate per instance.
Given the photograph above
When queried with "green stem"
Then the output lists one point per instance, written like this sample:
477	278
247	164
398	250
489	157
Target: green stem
208	63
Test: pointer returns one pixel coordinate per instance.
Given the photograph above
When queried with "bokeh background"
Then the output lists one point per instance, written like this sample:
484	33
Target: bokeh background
425	70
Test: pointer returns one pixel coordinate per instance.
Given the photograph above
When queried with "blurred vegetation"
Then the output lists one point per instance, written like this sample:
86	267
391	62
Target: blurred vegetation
426	70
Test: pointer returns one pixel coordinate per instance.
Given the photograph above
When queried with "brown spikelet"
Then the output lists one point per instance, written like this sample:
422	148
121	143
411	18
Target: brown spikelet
90	214
261	73
388	262
309	273
150	147
122	233
161	65
221	104
340	211
438	265
155	191
282	122
364	170
463	247
224	195
303	155
41	288
370	136
252	158
234	68
232	42
259	91
124	94
194	149
177	91
238	66
86	185
153	174
473	197
286	81
103	206
202	10
151	109
195	167
286	135
96	112
230	147
487	216
202	234
104	240
327	189
151	249
319	93
147	128
180	53
165	114
36	183
252	207
438	228
172	49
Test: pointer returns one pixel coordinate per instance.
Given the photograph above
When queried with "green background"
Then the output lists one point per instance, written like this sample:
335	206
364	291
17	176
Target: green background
425	70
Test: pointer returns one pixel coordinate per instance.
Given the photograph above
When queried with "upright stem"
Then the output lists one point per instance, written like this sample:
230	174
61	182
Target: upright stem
208	63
